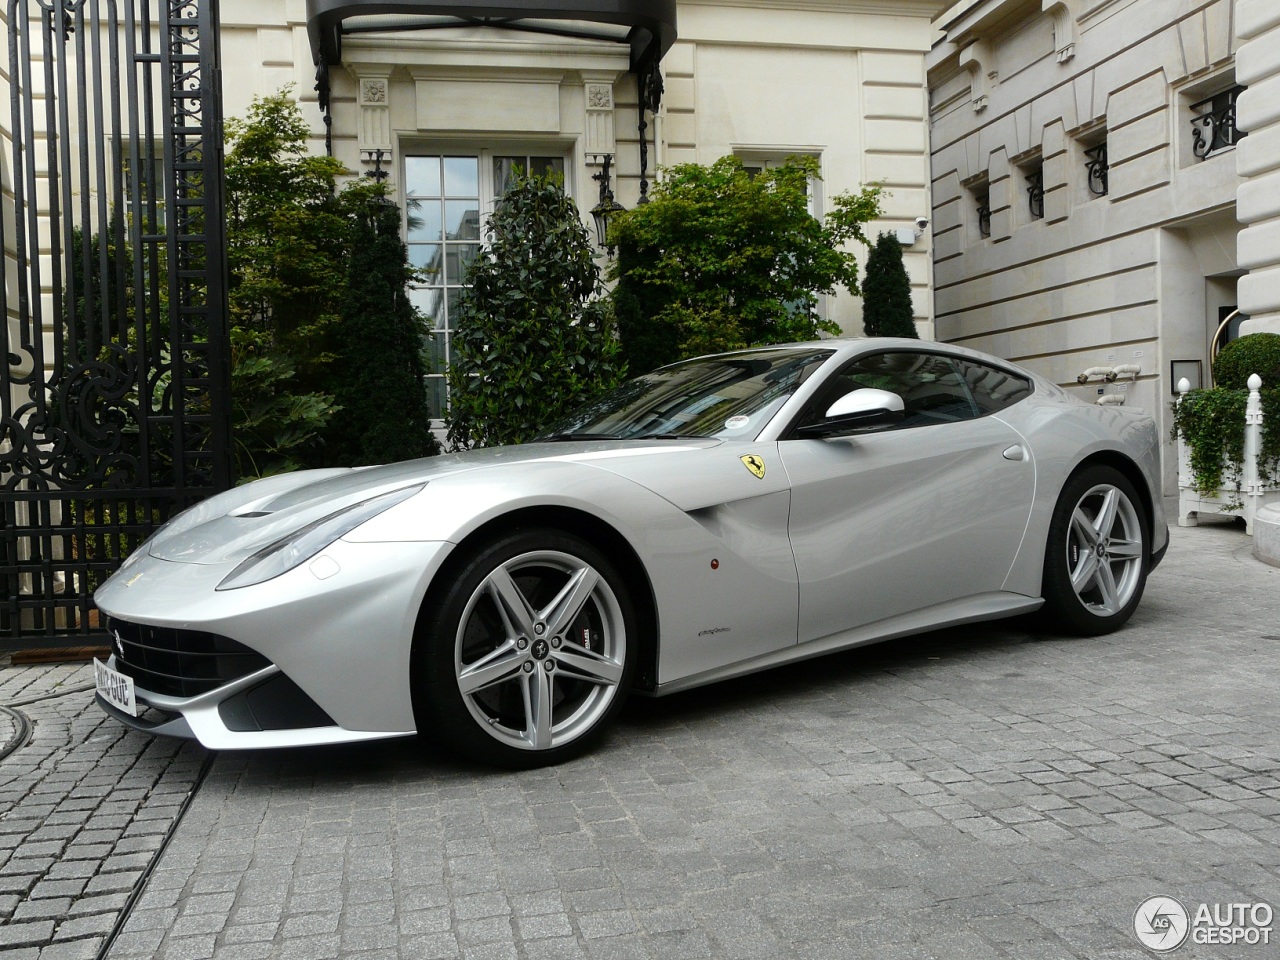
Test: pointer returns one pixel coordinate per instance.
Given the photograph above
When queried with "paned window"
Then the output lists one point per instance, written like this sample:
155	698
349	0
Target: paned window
447	198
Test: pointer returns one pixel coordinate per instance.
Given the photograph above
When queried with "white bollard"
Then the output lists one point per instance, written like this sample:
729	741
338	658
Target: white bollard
1251	485
1188	515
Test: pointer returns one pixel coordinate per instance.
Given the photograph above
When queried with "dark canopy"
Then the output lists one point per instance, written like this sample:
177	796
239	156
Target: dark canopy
647	26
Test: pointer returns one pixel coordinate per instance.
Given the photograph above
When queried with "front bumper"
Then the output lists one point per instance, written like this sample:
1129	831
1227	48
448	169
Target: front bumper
221	719
343	640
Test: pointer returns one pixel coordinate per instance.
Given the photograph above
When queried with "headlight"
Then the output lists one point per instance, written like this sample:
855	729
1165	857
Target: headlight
303	544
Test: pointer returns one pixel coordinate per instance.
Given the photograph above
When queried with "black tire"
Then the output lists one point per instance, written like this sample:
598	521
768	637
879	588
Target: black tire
1097	553
527	652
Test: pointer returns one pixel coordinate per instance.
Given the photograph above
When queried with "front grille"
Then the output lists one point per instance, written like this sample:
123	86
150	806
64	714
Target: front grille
179	663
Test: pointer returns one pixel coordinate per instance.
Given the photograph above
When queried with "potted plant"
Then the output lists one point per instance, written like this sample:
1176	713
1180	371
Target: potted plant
1229	435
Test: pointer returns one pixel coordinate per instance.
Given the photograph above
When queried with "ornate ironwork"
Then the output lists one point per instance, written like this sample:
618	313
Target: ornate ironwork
378	174
1213	123
323	98
1096	165
1035	193
984	218
649	88
114	406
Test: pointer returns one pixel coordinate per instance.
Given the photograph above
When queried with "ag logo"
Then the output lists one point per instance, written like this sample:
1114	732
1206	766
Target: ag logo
1161	924
754	464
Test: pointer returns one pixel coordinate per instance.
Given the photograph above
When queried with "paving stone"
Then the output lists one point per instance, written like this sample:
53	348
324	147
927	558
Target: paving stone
78	928
48	909
29	934
64	800
982	792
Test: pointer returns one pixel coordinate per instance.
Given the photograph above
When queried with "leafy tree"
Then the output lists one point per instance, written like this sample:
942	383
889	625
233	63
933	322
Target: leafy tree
379	379
319	308
720	259
275	428
532	338
886	292
286	235
286	254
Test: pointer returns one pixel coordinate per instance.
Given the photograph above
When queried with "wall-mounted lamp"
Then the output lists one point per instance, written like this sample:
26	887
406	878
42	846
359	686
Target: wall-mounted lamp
604	211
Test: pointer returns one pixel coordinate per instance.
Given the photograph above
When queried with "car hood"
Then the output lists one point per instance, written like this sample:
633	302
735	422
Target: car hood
236	524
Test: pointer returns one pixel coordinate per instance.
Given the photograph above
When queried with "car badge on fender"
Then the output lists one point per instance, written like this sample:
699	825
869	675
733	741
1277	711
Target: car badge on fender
754	464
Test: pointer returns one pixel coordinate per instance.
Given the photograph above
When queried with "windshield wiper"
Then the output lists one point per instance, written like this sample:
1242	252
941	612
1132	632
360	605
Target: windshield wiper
665	436
559	437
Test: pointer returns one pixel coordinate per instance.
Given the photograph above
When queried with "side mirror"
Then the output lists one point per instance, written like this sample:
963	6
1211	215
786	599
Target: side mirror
856	410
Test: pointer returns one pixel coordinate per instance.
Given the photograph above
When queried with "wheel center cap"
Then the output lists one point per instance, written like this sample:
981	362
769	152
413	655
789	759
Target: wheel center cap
540	649
1101	549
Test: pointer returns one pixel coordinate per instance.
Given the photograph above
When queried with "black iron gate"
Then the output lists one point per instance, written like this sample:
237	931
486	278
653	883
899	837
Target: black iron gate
115	393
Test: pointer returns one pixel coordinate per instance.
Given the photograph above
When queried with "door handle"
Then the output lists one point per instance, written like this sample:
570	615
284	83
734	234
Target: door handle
1016	452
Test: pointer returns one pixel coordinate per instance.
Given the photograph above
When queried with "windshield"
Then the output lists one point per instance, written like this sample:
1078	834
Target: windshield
727	396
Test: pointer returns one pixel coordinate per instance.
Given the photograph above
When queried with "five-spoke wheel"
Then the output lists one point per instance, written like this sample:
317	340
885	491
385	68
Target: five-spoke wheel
1096	557
529	653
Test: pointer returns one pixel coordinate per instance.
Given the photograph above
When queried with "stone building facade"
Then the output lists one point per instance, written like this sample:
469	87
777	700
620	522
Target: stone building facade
1092	161
761	79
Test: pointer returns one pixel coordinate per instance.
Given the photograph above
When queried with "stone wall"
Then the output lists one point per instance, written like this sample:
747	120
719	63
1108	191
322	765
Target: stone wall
1134	276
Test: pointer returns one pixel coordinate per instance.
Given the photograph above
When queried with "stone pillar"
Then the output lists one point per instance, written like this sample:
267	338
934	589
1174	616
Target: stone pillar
599	137
1258	162
373	99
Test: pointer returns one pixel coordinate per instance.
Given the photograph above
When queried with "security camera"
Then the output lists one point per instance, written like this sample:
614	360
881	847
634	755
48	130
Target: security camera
921	222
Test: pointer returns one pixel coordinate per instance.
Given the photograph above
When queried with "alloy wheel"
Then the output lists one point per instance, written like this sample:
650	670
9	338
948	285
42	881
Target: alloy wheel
540	650
1105	550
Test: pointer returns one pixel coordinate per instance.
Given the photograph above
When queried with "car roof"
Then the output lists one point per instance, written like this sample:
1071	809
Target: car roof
851	346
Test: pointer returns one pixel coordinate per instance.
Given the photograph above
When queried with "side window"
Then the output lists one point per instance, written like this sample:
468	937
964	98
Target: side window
992	389
931	387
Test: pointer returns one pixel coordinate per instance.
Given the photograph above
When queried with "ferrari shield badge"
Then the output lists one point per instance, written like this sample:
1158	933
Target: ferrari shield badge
754	464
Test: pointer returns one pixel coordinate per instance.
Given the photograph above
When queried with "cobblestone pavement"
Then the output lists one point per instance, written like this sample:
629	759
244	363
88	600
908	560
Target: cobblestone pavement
991	792
84	808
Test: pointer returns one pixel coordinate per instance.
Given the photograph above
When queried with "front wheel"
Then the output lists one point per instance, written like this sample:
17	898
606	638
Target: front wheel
1097	553
529	652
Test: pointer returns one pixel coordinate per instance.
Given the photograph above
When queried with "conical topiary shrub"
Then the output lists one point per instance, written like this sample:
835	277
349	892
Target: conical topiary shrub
886	292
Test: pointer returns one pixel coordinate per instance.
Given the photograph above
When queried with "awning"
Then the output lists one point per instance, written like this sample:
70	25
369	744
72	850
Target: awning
647	26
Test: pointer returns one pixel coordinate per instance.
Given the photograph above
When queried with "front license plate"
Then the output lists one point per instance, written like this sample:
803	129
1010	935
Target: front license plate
115	688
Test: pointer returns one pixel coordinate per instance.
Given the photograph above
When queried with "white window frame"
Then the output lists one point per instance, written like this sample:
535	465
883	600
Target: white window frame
485	153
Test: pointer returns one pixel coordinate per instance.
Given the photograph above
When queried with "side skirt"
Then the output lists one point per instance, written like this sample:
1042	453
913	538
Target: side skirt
986	606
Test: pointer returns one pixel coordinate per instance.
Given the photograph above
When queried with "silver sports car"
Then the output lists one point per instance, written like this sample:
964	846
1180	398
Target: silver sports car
712	518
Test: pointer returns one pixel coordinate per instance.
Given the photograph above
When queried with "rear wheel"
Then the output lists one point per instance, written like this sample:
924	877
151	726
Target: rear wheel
1097	553
529	652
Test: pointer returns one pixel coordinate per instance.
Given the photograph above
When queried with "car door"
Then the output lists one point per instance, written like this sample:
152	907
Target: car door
900	518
